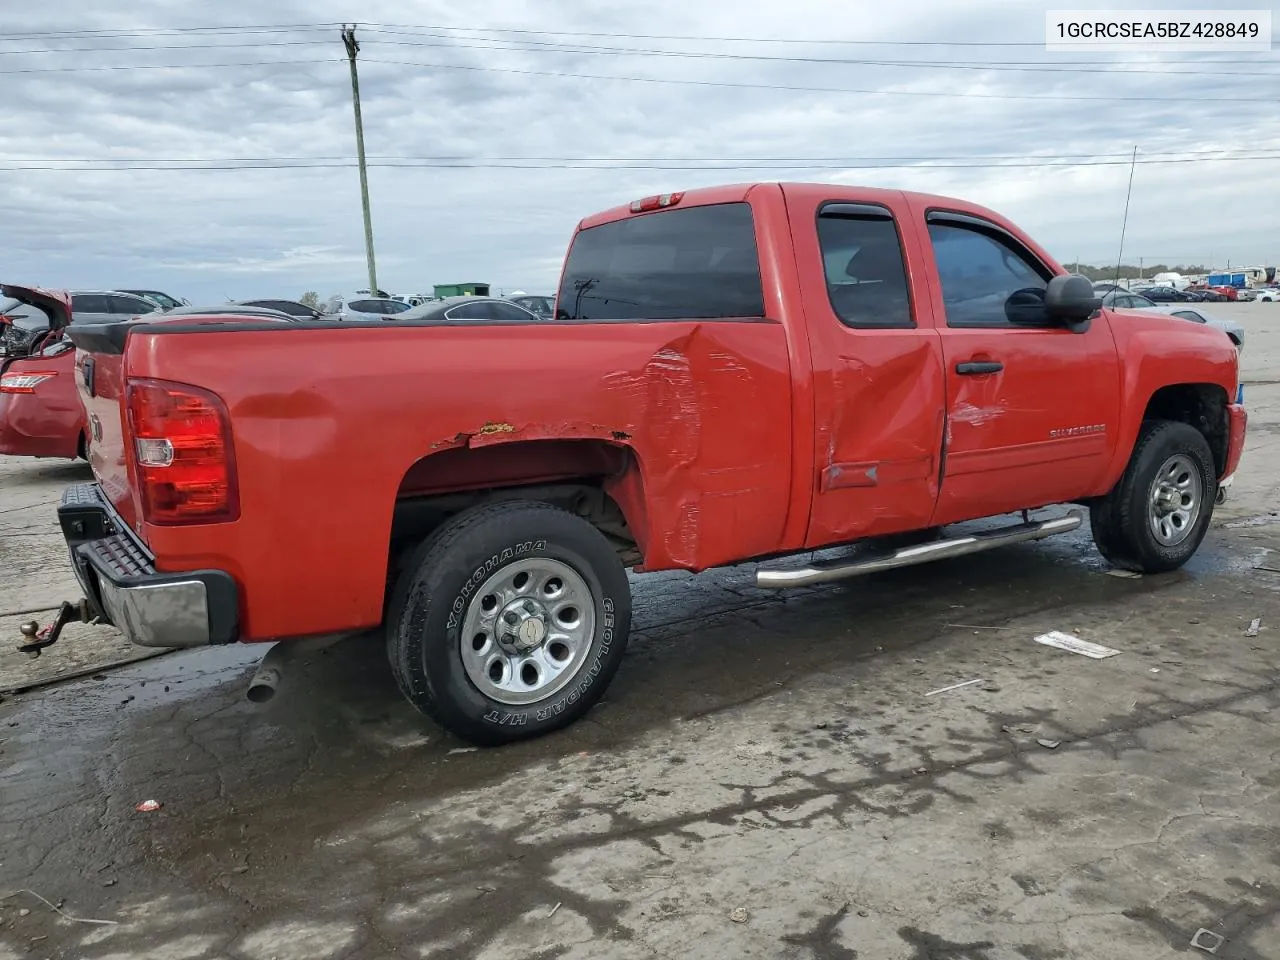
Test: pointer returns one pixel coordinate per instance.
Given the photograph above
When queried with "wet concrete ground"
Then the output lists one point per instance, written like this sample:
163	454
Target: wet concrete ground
768	777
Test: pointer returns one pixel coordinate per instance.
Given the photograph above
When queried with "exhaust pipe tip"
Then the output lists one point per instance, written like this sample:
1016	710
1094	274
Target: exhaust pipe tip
270	671
263	685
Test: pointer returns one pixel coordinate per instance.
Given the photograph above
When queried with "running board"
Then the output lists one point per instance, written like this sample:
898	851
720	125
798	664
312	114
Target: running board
827	571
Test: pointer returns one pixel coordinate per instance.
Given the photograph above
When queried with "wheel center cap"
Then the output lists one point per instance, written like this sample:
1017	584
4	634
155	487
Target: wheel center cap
1168	499
531	633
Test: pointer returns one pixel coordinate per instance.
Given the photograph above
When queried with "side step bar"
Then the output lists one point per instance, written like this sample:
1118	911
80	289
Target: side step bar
829	570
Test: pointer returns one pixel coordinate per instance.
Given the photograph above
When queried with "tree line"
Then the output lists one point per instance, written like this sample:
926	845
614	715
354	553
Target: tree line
1130	272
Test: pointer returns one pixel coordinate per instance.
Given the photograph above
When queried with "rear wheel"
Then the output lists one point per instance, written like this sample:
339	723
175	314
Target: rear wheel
509	621
1157	515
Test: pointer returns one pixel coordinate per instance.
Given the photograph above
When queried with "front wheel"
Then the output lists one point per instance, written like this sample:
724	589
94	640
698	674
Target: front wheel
509	622
1155	518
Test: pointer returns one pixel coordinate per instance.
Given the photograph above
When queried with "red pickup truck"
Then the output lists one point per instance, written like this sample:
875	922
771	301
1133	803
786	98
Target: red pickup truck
731	374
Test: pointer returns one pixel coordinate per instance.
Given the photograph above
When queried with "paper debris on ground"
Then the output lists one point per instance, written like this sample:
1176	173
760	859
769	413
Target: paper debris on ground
1207	940
954	686
1254	627
1065	641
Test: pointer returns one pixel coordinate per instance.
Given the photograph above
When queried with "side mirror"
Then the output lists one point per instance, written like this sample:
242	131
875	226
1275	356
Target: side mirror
1070	300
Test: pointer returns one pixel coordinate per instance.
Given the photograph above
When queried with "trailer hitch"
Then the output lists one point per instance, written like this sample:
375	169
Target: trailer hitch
38	638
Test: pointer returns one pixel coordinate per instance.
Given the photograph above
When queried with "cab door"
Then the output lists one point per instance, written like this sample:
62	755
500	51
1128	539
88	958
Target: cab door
877	366
1032	406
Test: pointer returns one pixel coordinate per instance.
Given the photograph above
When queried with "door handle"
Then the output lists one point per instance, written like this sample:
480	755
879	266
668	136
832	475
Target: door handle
977	368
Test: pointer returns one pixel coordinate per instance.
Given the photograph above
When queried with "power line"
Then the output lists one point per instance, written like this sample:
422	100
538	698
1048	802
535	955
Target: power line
533	46
115	33
1006	67
488	165
804	89
1207	153
417	29
315	61
170	46
175	66
717	39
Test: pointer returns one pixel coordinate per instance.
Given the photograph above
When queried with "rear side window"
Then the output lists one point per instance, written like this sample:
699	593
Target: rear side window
697	263
862	259
89	303
365	306
131	306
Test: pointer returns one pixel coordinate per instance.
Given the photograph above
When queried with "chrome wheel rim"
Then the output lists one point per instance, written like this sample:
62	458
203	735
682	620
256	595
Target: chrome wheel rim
527	631
1177	494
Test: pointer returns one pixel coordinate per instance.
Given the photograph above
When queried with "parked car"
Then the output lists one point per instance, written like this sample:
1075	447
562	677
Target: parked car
1208	294
362	308
165	301
1268	295
292	307
1233	329
478	490
470	308
40	413
29	324
1124	300
542	306
1246	294
1168	295
227	310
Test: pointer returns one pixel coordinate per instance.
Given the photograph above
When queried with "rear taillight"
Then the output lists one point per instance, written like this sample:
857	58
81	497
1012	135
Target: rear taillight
24	382
182	449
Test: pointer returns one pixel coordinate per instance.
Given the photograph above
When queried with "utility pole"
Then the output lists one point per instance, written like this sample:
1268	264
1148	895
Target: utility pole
349	41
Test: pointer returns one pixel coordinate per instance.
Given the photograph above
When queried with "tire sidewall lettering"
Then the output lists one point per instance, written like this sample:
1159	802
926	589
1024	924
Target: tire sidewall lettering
604	641
482	572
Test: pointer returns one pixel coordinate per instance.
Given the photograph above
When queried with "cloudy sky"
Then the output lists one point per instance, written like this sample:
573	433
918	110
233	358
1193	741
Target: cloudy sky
492	127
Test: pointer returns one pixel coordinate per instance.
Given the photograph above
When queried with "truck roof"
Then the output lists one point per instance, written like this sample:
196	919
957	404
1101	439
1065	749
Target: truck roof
735	193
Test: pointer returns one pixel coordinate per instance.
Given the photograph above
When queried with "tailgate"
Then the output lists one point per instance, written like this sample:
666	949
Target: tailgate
100	380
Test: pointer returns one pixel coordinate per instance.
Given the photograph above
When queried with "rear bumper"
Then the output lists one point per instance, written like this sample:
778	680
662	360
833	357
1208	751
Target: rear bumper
124	589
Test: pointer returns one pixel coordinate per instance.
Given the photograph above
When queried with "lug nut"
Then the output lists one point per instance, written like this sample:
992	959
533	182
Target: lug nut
529	607
511	617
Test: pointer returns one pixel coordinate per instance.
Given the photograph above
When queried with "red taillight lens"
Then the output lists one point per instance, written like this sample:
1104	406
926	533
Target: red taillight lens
24	382
182	449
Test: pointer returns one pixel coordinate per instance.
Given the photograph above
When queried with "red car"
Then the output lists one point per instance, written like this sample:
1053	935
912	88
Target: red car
40	413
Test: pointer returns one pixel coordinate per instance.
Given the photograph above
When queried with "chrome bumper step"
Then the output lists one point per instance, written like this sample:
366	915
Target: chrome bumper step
826	571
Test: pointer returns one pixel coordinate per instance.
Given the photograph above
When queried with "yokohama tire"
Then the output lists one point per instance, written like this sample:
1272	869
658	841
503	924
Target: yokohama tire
1157	515
510	556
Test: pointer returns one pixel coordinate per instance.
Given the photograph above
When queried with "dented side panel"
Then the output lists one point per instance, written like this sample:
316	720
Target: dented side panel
877	396
324	440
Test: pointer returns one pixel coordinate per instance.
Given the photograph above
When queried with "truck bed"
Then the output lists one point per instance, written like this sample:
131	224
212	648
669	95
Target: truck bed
333	426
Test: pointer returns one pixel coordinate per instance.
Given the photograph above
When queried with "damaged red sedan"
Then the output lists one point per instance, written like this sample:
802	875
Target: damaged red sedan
40	413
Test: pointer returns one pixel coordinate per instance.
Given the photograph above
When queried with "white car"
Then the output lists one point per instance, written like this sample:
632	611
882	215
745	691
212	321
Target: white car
1192	312
1268	295
362	307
